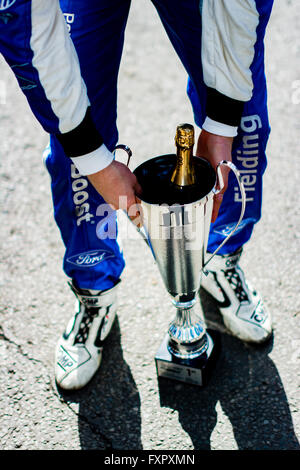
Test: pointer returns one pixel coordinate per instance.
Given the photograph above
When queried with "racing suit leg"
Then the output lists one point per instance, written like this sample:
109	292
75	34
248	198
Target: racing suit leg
184	26
93	258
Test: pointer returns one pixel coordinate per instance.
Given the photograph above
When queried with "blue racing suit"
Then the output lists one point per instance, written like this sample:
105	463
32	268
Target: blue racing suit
73	94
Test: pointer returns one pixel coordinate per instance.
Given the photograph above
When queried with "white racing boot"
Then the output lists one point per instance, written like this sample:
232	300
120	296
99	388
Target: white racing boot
243	311
79	350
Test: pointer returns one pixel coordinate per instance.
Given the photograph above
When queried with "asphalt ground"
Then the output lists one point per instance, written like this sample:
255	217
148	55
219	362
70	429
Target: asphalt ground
252	400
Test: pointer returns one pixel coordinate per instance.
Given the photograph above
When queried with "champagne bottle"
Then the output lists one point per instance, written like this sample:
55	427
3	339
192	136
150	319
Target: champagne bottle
183	179
174	179
184	172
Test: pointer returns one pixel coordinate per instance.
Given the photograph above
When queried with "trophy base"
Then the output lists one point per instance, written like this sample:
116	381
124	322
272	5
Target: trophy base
196	371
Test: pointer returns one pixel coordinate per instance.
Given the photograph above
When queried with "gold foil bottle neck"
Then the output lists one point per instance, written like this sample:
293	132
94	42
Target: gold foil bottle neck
185	136
184	172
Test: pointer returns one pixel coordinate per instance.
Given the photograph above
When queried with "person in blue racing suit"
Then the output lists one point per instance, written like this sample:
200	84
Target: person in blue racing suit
73	94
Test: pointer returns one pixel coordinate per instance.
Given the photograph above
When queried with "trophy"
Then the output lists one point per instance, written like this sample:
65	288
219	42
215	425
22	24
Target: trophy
176	209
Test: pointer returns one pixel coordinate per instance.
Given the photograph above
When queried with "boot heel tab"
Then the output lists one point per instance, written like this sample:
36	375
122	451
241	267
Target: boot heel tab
101	299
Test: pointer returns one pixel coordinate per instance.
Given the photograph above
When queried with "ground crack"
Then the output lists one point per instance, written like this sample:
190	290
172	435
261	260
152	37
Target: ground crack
94	428
4	337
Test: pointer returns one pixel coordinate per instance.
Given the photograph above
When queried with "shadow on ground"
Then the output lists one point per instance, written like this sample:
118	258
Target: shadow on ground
109	406
245	382
249	389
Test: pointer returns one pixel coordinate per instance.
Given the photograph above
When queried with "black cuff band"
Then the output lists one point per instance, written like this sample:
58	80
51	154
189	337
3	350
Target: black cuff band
223	109
83	139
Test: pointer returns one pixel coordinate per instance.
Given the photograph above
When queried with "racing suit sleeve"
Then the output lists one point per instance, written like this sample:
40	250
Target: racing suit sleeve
35	42
228	40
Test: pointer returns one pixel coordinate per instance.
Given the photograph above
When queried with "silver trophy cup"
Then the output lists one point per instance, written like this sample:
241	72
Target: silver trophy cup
177	235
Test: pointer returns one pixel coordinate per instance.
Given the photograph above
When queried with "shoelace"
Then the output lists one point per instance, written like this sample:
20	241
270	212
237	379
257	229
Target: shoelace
236	283
87	319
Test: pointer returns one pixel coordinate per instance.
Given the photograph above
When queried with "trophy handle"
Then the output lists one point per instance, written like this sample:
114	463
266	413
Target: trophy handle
216	191
126	149
140	230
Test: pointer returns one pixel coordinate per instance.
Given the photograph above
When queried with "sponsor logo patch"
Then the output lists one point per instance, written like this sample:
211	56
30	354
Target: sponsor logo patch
90	258
65	360
226	229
